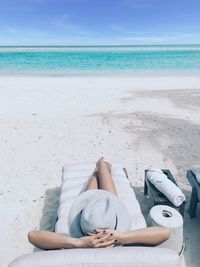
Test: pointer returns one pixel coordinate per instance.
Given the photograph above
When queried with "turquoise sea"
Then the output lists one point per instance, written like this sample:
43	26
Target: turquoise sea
100	60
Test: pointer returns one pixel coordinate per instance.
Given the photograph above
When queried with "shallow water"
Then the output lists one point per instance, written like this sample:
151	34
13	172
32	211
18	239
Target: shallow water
100	60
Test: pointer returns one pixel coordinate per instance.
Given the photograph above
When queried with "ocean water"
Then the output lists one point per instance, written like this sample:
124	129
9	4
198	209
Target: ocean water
100	60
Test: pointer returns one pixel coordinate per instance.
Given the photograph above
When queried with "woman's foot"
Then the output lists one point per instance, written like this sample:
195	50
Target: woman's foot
109	165
101	161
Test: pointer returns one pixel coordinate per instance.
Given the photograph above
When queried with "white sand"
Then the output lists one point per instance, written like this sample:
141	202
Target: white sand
47	122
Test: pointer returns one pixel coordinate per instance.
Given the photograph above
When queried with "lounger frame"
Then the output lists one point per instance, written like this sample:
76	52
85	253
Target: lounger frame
158	197
195	196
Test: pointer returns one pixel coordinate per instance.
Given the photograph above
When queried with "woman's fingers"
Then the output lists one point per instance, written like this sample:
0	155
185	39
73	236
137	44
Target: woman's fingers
102	239
100	234
96	232
98	240
106	237
105	244
91	234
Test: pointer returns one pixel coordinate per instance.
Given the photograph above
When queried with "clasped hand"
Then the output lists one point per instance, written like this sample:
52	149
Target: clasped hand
100	238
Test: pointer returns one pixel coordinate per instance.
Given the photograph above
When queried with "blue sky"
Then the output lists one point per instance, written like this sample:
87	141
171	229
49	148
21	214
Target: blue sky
83	22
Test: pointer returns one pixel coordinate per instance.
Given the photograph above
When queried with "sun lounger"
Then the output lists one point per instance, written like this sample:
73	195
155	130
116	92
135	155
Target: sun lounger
195	196
74	180
157	196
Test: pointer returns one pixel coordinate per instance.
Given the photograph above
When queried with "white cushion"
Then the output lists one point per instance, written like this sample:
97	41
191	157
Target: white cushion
101	257
74	180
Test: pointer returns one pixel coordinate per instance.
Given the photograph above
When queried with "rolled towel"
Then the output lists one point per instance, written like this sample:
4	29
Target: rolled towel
196	171
166	186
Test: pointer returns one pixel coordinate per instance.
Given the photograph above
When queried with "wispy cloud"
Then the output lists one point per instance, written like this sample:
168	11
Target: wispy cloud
153	32
13	31
153	35
61	32
117	28
138	3
171	38
58	25
123	30
62	22
82	33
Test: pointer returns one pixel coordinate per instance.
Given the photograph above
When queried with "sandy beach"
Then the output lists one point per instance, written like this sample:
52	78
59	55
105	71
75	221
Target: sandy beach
47	122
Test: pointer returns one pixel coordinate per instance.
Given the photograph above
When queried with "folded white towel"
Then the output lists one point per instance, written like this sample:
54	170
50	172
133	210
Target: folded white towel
196	171
166	186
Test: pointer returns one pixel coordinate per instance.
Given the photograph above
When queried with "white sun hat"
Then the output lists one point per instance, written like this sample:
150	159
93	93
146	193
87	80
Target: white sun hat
97	209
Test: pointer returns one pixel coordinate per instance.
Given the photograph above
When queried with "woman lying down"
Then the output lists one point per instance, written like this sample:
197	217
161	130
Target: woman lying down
99	219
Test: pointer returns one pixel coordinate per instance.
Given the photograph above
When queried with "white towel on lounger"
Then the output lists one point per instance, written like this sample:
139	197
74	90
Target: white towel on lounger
196	171
166	186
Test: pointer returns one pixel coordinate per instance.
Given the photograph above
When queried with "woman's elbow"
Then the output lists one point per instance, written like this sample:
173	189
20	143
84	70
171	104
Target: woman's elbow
166	233
32	237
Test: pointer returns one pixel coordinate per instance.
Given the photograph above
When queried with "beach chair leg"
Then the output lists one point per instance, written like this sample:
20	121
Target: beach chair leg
145	188
193	204
126	173
182	208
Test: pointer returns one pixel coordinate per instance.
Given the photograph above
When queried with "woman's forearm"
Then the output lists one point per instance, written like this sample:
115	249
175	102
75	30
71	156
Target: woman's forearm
148	236
50	240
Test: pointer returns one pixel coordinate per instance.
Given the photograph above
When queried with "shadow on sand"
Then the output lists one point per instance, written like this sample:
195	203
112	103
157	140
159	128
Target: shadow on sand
49	211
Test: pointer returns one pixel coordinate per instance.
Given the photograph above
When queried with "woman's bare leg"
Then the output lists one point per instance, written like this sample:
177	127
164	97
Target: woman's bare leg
93	182
105	180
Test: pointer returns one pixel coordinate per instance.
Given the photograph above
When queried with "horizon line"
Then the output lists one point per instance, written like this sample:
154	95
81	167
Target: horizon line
92	45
